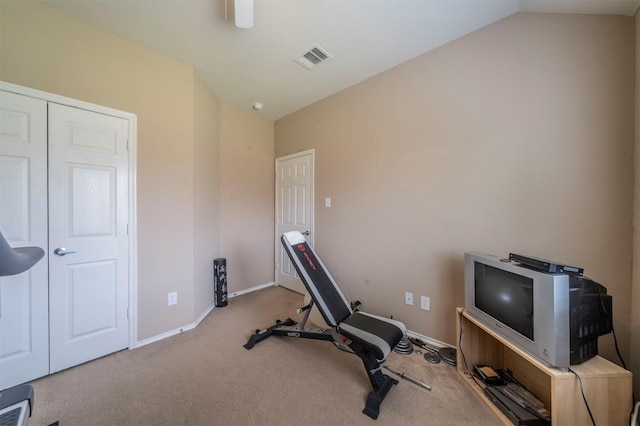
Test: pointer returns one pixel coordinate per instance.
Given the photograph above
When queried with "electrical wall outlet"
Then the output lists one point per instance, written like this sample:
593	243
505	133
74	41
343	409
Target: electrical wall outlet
172	298
408	298
425	303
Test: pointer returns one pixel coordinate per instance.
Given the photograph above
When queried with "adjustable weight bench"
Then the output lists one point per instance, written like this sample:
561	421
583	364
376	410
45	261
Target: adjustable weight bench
369	336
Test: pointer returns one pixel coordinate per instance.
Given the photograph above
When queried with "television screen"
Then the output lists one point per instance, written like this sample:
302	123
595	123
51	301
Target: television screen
506	296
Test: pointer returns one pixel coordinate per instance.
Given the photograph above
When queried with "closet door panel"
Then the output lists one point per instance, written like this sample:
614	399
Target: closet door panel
24	298
88	217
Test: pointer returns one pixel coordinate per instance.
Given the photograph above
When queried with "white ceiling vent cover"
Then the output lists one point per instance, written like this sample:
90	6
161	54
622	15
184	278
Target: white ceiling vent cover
313	57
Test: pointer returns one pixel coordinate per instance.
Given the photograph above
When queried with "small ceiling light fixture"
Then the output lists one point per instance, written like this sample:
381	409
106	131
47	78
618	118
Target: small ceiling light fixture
243	11
258	106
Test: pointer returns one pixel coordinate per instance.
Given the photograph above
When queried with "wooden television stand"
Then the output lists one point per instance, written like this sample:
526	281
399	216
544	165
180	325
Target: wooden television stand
607	386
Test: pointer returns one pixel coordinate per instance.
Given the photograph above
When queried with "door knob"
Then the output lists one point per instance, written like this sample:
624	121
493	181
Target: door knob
61	251
305	233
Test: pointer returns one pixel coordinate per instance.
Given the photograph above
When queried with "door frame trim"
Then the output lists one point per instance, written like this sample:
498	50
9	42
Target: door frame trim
312	153
133	208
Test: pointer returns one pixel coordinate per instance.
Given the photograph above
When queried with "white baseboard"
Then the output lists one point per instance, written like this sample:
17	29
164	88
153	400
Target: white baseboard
249	290
427	340
166	334
203	315
194	324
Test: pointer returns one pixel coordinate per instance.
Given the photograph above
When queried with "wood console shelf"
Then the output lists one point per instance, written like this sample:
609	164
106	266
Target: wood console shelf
607	386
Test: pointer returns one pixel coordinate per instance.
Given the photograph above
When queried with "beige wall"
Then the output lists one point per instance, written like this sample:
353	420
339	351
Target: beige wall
178	146
206	191
516	138
247	189
635	320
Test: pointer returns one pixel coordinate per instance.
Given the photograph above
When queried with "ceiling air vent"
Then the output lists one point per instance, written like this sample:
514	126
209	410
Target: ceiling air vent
313	57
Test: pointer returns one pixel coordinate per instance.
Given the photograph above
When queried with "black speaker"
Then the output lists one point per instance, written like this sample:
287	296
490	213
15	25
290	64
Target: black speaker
220	281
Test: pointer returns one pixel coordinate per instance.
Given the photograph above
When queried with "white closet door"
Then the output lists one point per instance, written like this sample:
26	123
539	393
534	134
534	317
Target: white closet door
88	214
24	299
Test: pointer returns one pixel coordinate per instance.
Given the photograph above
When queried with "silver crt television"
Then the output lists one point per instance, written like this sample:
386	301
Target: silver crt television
554	317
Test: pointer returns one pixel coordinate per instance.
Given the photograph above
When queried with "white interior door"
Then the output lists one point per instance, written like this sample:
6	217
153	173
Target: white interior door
294	210
24	299
88	226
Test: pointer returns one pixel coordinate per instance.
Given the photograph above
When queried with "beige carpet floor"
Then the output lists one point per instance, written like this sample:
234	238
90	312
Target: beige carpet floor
206	377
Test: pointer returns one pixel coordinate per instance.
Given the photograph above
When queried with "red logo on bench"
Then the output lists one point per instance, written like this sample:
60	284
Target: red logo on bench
306	256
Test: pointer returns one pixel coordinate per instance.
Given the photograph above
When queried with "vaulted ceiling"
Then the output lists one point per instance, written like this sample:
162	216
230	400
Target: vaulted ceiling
362	38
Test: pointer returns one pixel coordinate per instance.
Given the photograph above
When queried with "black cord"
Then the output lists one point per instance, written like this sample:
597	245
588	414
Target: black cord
593	422
464	359
615	340
596	285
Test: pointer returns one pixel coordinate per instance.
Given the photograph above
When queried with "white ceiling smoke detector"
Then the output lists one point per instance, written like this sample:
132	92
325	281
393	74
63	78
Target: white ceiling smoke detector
313	57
